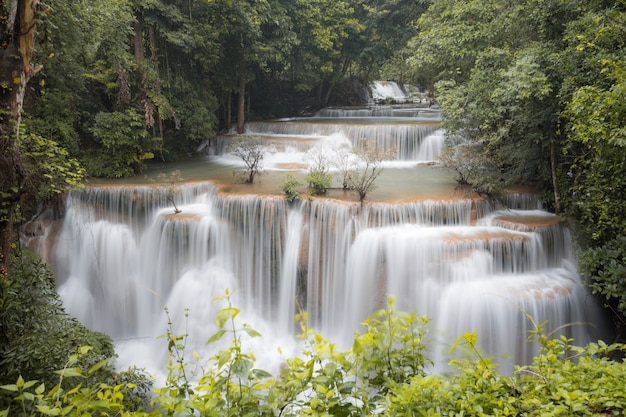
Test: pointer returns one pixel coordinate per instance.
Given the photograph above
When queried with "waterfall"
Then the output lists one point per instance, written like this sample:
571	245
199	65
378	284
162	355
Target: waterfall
123	255
406	139
387	90
380	111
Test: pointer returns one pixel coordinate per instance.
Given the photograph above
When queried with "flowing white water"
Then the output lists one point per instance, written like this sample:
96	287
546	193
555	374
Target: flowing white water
405	139
385	90
425	114
123	255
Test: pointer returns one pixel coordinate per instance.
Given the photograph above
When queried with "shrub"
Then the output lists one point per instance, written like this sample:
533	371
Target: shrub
474	166
290	188
123	142
250	150
362	179
606	265
319	181
36	335
383	374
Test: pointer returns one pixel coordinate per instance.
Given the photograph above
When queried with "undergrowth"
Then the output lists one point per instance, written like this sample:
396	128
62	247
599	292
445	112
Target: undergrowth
383	374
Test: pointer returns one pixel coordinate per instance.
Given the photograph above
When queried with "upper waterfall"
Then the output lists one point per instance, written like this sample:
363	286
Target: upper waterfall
406	139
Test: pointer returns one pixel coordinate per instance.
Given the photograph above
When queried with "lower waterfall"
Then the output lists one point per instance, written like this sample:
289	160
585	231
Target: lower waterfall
122	255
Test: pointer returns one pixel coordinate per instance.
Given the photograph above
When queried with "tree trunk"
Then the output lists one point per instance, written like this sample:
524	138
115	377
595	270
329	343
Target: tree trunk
138	48
17	38
241	99
229	111
555	179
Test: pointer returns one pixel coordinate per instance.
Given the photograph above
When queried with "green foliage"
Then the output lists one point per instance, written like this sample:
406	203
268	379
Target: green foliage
323	28
290	188
599	171
319	181
319	178
595	115
79	398
35	332
137	386
383	374
566	380
538	91
391	351
606	266
229	386
51	170
124	142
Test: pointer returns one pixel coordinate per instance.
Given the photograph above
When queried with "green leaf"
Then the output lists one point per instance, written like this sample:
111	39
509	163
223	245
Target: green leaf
260	373
10	387
98	365
251	332
29	384
84	349
216	336
48	411
70	372
469	338
241	367
226	314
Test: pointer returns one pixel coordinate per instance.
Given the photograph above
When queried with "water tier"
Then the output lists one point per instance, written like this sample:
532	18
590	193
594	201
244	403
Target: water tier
122	255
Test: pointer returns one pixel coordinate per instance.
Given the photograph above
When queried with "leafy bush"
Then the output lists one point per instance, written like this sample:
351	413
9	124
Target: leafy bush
290	188
319	181
606	265
36	335
123	145
384	374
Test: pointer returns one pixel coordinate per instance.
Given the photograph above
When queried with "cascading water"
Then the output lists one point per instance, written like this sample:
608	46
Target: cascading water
406	139
123	254
387	90
339	261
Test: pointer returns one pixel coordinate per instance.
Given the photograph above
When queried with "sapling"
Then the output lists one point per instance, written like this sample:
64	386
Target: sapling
362	178
319	177
250	150
168	187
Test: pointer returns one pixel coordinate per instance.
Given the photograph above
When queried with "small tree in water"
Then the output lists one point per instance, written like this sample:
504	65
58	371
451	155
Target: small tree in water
168	187
345	163
371	157
250	150
319	178
474	166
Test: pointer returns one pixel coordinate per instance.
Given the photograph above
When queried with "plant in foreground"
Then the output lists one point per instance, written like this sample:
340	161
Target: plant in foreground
382	374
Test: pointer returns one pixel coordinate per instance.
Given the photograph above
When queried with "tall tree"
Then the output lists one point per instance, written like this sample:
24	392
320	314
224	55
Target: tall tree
381	50
17	41
32	168
321	60
499	71
594	120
